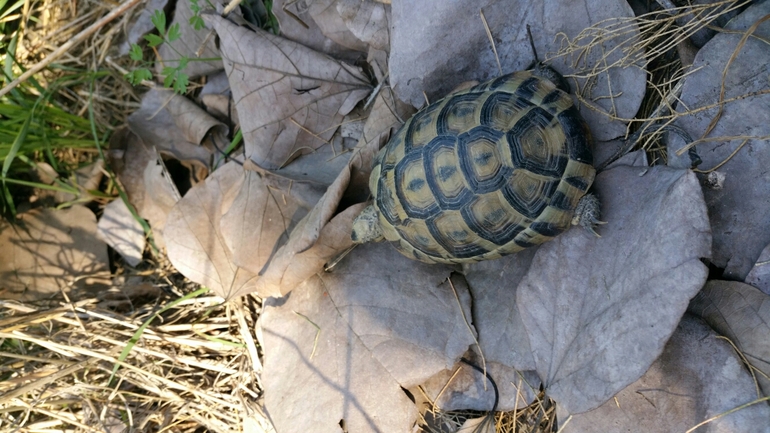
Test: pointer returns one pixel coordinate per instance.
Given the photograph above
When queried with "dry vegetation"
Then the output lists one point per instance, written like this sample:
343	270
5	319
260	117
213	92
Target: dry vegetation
196	366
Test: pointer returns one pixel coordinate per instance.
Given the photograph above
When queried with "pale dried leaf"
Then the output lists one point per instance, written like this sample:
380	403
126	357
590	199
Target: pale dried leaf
85	179
160	196
742	314
290	98
697	377
120	230
759	276
167	121
292	265
502	335
47	251
194	241
318	374
297	25
368	20
598	311
331	24
739	210
469	390
435	58
260	219
189	44
387	115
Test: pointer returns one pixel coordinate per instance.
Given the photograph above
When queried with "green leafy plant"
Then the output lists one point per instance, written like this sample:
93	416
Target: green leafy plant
173	76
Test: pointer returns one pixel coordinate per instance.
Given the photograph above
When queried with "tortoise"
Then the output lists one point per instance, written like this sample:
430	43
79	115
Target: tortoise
484	172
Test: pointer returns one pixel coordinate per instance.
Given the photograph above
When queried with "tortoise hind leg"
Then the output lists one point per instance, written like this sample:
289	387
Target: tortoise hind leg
587	213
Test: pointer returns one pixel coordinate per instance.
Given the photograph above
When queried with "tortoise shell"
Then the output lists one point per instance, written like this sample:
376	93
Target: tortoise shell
484	172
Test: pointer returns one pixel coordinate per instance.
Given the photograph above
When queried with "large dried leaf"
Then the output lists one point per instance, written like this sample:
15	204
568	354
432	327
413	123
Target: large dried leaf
290	99
380	322
266	209
302	258
742	314
598	311
502	335
455	48
697	377
298	25
48	251
738	209
194	239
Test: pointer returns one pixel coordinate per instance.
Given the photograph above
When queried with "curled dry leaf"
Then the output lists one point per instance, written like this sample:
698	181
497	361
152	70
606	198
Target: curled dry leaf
739	209
742	314
342	344
433	59
141	24
120	230
194	239
49	251
598	311
290	98
697	377
189	44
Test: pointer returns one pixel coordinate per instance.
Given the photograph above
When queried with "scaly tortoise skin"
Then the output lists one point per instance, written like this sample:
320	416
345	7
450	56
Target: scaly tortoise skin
482	173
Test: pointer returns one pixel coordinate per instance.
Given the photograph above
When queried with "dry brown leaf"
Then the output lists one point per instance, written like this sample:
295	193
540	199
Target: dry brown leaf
292	265
85	179
194	240
435	58
190	42
120	230
47	251
175	126
697	377
741	313
318	376
598	311
739	209
328	19
290	98
297	25
468	389
368	20
388	113
266	209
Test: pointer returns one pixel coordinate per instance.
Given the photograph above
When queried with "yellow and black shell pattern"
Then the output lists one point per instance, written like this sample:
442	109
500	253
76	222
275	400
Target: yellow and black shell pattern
484	172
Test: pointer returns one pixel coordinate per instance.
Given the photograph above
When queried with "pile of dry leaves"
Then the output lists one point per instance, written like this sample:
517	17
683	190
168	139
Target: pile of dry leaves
636	330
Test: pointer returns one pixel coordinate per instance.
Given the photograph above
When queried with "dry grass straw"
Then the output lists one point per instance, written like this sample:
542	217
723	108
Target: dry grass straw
195	366
537	417
47	25
657	43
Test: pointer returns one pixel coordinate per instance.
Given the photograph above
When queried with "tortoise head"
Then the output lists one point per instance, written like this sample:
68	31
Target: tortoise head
366	226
